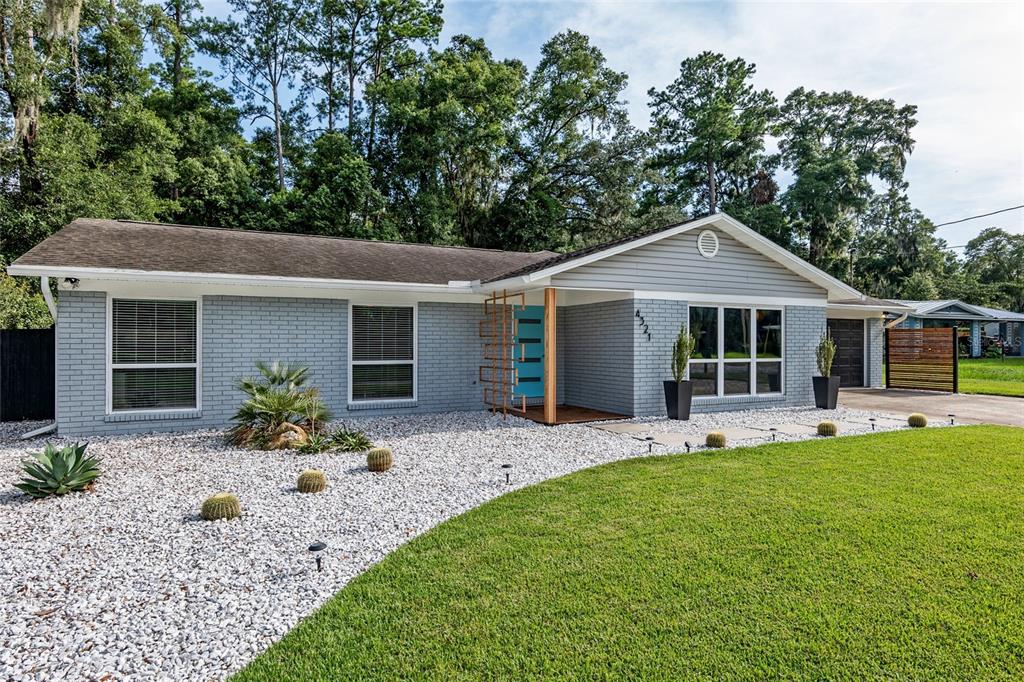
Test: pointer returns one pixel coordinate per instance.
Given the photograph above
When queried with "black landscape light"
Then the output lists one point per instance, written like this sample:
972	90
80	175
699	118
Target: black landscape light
872	420
316	550
773	431
650	444
508	472
952	419
688	446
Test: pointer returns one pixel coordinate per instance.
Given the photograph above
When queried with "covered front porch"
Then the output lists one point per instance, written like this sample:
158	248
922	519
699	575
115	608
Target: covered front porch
553	357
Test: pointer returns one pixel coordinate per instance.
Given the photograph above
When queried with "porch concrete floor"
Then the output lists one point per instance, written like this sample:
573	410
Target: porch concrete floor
969	409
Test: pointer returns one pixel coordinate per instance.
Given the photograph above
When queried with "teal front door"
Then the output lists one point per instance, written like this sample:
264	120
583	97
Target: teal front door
528	350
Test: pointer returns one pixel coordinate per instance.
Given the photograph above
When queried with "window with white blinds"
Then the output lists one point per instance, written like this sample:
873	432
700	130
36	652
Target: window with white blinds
153	354
383	353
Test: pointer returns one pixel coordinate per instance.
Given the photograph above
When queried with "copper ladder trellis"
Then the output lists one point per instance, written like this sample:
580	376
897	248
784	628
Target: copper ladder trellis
498	329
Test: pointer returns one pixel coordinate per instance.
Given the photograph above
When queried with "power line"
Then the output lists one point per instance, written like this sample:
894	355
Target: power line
975	217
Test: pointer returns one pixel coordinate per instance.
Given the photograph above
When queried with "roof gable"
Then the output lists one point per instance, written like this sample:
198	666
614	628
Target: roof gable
728	225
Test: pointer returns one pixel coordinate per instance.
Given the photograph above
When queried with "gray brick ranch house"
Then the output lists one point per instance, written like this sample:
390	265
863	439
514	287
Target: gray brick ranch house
155	322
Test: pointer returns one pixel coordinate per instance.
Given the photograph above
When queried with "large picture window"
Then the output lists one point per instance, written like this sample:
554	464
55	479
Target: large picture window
383	363
154	359
738	350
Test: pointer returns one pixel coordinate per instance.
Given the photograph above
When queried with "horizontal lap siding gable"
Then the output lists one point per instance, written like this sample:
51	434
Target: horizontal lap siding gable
675	264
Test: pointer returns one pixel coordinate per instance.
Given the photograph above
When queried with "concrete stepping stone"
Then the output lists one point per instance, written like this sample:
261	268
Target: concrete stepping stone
744	433
794	429
623	428
675	440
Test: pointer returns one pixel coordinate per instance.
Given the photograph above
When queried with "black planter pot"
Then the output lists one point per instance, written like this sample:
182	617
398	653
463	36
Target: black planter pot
826	392
678	397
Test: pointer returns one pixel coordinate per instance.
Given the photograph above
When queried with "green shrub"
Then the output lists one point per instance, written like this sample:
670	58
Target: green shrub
827	428
312	481
715	439
221	506
917	420
351	440
279	412
379	459
57	472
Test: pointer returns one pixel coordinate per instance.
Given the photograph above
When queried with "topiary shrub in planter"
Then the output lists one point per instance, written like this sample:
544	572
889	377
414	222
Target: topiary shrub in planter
221	506
58	472
917	420
312	481
379	459
826	386
827	428
715	439
679	391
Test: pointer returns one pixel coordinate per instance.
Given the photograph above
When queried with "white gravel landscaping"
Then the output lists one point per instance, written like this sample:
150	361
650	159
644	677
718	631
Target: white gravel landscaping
126	581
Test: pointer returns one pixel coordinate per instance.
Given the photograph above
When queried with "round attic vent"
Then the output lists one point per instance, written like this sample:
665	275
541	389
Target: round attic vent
707	244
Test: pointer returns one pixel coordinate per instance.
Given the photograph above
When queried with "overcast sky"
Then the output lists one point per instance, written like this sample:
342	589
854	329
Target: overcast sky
962	64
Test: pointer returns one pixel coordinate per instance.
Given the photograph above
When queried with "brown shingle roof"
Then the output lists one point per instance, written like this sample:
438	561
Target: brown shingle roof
90	243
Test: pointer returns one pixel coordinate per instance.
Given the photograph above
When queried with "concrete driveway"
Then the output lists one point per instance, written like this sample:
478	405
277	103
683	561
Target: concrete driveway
969	409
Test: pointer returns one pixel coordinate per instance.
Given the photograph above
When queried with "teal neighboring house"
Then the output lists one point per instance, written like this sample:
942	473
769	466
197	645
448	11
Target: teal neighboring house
974	321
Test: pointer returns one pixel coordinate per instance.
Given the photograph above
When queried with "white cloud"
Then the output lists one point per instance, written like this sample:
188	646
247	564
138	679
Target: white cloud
961	64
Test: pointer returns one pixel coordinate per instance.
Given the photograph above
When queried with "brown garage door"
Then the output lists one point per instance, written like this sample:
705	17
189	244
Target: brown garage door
849	362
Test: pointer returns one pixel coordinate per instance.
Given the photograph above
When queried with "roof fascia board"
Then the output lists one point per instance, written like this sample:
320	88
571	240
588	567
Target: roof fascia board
222	278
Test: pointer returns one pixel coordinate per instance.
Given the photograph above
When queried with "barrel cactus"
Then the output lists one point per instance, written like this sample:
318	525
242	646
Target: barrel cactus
221	506
379	459
827	428
715	439
312	481
917	420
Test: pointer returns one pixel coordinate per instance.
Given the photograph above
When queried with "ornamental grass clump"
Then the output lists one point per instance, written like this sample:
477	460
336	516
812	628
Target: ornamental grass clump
280	412
312	481
827	428
917	420
58	472
715	439
379	459
221	506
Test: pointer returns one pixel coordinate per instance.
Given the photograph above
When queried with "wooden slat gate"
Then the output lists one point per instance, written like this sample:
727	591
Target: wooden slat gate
26	374
922	359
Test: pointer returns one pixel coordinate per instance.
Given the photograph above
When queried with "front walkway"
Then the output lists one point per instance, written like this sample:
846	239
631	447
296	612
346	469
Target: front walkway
969	409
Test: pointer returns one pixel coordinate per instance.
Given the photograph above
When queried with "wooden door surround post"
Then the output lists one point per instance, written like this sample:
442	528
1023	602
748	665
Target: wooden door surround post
550	357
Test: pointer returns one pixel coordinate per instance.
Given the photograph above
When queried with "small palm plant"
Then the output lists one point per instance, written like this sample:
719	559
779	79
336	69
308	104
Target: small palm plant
280	412
58	472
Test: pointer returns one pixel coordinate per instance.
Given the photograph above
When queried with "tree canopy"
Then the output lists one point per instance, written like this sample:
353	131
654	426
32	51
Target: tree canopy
347	118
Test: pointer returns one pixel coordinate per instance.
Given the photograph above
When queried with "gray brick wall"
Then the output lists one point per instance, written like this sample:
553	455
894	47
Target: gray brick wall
804	327
237	331
653	357
875	352
598	355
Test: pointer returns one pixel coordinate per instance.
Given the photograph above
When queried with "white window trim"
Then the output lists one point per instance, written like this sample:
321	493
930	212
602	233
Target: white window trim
110	366
415	353
720	361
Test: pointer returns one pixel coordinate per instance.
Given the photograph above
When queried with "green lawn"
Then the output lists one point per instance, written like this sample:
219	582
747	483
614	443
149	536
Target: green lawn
994	376
897	555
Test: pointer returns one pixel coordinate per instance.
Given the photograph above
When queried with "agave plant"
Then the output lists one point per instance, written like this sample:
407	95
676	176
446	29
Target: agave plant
279	412
351	440
57	472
